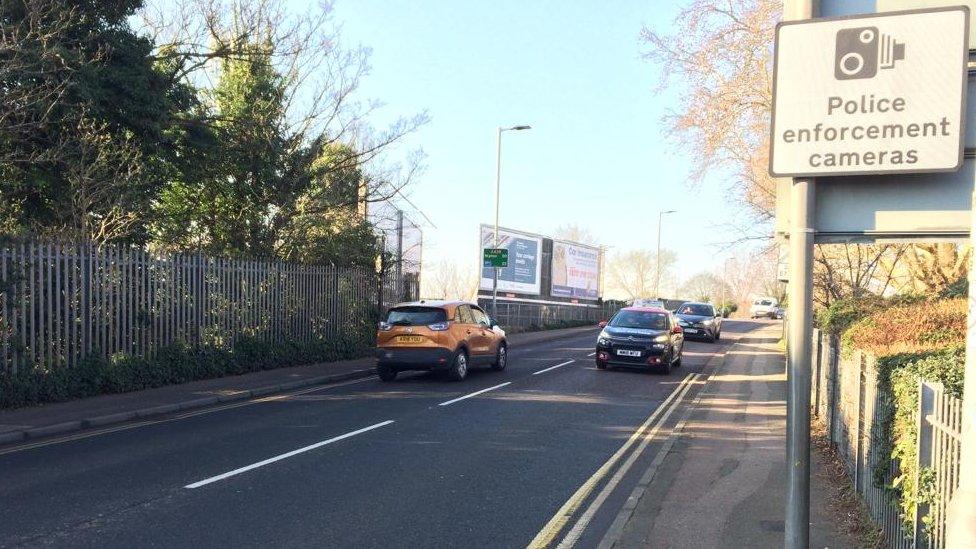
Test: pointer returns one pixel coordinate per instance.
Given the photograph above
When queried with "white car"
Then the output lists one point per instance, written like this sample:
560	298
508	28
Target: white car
648	303
764	307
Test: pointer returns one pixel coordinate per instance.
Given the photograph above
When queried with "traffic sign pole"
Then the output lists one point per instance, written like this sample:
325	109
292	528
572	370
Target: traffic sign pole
800	318
798	366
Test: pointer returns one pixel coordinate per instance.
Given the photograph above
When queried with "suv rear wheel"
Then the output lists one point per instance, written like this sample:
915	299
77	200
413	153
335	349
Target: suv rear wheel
501	358
459	366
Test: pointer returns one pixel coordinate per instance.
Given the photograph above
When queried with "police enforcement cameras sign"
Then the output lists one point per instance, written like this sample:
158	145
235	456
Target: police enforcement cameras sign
870	94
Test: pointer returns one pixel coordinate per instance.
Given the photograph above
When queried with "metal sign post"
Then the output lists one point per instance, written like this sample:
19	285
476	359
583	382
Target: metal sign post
858	96
798	366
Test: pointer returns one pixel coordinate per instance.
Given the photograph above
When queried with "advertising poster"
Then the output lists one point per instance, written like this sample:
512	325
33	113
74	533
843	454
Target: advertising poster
524	272
575	270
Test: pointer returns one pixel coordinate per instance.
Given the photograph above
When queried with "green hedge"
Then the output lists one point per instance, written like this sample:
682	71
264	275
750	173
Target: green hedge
171	365
900	374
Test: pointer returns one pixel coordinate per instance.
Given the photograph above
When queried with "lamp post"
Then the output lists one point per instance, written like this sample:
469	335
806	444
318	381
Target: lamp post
657	271
498	184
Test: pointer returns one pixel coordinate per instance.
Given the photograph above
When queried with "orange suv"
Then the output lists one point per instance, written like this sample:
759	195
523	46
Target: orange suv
446	336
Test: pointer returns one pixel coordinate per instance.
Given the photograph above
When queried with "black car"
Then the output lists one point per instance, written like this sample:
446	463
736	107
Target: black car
700	320
640	337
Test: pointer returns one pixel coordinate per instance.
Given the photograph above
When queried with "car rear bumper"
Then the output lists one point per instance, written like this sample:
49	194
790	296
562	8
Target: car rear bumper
414	358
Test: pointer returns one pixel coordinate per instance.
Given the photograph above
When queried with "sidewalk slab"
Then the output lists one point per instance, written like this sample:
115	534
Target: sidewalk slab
49	419
723	483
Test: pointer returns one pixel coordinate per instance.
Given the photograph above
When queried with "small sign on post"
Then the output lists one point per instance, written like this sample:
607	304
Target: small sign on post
496	257
875	94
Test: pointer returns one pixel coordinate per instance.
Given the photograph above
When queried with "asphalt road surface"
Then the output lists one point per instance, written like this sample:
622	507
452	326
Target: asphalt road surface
545	455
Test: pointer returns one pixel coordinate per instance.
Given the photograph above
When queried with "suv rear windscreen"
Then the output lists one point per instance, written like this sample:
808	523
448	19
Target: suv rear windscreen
416	316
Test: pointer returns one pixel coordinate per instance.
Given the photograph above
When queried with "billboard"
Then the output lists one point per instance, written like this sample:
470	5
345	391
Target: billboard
575	270
524	272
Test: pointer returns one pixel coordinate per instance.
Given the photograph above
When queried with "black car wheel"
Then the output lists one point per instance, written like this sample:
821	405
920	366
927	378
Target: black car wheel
600	365
459	366
501	358
386	373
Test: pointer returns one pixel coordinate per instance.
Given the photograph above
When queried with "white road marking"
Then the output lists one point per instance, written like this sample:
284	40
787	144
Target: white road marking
476	393
188	414
592	354
574	534
555	525
286	455
553	367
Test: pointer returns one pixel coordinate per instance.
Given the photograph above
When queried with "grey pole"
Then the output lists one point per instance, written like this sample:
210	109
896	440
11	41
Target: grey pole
498	187
798	366
657	268
802	201
961	516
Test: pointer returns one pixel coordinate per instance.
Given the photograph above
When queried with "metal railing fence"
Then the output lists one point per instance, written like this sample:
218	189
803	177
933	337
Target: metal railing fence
845	393
61	303
525	315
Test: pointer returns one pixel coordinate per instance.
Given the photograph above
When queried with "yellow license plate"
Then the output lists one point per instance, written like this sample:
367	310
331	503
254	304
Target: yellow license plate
410	339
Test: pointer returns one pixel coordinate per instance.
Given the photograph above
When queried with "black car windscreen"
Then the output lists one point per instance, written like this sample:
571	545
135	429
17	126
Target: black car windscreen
640	319
416	316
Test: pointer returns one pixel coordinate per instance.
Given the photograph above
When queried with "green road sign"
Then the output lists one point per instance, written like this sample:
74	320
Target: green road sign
496	257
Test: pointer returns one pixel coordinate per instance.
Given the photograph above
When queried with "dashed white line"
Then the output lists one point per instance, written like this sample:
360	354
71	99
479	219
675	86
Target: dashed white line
592	354
286	455
553	367
476	393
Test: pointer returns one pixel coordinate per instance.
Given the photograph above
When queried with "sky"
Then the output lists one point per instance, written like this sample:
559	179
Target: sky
597	154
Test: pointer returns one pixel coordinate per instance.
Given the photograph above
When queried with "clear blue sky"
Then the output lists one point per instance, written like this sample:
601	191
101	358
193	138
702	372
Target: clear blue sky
597	155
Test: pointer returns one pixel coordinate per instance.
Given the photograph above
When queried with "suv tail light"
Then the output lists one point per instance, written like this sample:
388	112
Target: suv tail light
438	326
385	326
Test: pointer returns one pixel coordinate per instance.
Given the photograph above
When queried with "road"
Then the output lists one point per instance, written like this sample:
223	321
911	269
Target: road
421	462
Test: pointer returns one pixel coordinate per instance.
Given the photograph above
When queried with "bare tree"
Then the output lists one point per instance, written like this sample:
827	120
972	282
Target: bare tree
719	53
576	233
321	77
933	267
631	274
705	287
450	280
854	270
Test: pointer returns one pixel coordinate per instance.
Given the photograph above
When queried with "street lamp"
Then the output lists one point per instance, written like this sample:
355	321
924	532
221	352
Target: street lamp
657	271
498	182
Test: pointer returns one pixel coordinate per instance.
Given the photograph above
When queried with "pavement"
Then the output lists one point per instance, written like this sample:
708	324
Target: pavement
723	484
550	452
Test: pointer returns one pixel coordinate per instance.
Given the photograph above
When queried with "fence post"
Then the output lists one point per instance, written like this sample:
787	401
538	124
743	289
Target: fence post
926	405
817	370
859	423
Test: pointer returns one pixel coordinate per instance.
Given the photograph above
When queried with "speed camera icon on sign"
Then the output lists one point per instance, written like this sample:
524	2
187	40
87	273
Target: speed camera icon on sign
861	51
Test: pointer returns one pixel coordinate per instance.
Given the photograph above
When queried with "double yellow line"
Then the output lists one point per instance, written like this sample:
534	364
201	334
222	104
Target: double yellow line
550	532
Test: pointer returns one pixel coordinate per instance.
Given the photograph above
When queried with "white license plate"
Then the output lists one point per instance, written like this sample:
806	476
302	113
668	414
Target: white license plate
691	330
625	352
